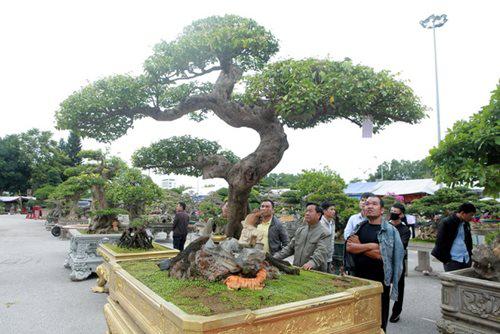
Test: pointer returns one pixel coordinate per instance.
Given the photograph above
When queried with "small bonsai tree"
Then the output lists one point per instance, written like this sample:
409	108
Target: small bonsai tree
133	191
136	236
298	94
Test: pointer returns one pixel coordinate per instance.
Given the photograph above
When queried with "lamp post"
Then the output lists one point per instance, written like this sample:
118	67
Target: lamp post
433	22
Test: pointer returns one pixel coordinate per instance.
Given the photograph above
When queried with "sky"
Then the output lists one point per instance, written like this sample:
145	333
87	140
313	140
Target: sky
49	49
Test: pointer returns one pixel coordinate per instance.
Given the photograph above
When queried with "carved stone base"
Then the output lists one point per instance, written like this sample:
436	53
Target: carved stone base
82	258
469	304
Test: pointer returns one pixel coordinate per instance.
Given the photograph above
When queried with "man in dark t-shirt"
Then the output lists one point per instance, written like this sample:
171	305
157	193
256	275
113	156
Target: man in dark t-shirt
181	221
367	267
365	248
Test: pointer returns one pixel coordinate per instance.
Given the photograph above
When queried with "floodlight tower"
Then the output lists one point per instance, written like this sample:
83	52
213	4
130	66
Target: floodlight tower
433	22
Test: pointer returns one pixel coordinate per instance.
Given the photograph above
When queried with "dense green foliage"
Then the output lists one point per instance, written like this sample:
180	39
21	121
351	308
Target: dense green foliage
401	170
202	297
33	159
447	200
293	93
47	160
72	148
133	191
307	92
470	153
178	155
323	185
281	180
14	166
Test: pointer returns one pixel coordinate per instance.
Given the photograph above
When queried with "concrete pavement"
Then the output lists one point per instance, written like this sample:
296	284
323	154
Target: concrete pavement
37	296
36	293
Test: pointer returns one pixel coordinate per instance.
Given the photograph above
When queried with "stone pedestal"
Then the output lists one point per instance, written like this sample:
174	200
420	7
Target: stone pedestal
82	258
469	305
424	255
424	262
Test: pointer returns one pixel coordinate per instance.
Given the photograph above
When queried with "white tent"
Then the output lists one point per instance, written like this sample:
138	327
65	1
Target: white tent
396	187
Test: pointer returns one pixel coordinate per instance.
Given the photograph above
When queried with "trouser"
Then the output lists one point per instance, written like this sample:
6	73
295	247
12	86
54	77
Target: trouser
385	305
179	241
412	228
398	305
455	265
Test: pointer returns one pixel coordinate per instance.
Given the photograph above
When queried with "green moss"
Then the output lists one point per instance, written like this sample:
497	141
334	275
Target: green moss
122	250
207	298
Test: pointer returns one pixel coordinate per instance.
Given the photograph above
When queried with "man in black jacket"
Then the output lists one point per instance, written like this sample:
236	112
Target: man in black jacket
454	241
181	222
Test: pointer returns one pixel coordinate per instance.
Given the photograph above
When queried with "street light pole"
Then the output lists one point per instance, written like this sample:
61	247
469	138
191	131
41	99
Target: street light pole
433	22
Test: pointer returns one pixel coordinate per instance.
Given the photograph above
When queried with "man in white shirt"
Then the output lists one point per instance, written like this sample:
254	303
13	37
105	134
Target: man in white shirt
328	222
354	220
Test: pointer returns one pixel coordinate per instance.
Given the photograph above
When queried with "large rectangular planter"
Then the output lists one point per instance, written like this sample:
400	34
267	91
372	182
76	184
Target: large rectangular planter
82	258
111	257
469	304
134	308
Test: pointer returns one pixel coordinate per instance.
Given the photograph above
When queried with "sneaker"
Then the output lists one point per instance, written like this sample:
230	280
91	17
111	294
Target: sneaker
394	318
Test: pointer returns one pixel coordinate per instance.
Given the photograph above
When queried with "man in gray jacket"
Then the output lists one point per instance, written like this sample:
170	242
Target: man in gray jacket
310	244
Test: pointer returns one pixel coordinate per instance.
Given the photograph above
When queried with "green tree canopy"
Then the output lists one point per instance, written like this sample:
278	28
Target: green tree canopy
295	93
470	153
47	160
15	169
447	200
133	191
281	180
72	148
324	185
401	170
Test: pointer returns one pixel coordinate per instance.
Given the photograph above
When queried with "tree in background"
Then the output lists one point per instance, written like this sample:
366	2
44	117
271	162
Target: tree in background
447	200
14	166
295	93
47	160
67	194
326	185
276	181
401	170
470	153
133	191
72	148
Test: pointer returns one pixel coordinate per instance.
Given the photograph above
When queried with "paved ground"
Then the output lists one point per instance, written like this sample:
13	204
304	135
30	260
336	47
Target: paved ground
37	296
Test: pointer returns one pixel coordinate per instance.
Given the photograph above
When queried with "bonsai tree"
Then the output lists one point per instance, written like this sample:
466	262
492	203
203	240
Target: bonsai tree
133	191
66	195
298	94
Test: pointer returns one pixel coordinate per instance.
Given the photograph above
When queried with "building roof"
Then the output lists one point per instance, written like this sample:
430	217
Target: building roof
395	187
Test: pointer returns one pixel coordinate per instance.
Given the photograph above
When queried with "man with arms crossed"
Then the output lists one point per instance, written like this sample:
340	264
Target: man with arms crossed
378	253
